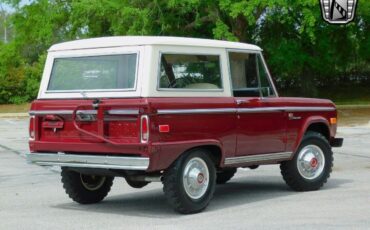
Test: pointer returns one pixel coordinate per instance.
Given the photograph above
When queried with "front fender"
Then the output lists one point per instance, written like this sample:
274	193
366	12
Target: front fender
309	121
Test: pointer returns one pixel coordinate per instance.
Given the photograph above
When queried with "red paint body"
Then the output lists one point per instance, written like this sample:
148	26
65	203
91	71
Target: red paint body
235	134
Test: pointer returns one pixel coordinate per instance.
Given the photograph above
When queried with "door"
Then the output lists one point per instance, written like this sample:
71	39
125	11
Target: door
261	124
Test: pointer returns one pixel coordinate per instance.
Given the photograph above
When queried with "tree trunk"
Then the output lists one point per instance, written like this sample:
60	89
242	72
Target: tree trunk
308	84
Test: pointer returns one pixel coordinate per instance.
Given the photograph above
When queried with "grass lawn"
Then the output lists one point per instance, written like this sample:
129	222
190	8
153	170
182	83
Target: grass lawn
353	117
340	95
347	94
22	108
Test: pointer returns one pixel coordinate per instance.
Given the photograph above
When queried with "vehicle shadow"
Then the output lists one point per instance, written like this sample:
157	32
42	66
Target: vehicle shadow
149	203
247	190
239	191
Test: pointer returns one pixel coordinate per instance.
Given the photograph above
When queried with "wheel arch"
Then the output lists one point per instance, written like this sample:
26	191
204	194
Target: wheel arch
214	150
316	124
168	154
321	128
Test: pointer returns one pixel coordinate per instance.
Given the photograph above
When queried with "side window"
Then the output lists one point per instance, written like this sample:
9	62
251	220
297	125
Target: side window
184	71
266	87
249	76
244	75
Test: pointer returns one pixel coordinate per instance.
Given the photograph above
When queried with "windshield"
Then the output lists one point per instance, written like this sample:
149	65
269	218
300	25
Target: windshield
109	72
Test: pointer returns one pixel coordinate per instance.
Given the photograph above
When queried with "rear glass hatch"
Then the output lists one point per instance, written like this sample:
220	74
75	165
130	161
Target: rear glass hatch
91	97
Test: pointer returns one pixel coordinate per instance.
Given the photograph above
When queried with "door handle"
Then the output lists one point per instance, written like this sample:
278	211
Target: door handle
240	101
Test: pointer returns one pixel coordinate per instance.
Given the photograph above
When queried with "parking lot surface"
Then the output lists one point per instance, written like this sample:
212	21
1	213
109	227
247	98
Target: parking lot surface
32	197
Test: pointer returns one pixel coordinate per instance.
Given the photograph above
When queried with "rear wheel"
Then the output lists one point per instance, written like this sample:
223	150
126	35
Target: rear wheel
225	175
311	166
189	183
85	189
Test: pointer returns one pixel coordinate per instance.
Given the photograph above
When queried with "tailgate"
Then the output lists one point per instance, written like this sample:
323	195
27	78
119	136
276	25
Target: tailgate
71	122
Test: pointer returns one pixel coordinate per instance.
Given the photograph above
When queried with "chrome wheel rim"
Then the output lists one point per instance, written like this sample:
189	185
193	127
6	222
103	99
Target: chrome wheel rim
196	178
310	162
92	182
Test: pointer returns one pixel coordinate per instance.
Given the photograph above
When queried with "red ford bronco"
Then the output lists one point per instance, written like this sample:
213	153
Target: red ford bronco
181	111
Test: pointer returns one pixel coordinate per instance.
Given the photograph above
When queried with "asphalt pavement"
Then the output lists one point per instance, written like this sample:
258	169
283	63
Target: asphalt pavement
32	197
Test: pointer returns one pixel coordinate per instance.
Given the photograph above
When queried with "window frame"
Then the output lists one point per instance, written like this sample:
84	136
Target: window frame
158	88
44	93
96	90
258	54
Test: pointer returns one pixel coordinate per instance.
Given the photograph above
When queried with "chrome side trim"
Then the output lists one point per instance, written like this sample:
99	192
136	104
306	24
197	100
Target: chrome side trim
87	112
91	112
88	161
123	112
308	109
128	119
190	111
258	158
54	112
196	111
261	110
245	110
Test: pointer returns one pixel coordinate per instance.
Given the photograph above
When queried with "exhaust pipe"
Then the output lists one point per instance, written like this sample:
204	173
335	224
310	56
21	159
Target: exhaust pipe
146	178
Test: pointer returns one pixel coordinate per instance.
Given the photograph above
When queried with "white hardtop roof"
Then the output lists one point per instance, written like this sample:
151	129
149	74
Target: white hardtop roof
106	42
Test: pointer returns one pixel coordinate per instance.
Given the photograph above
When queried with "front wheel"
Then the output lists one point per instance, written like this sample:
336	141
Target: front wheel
311	166
85	189
189	183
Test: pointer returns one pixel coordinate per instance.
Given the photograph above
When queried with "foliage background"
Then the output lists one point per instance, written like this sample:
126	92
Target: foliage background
306	56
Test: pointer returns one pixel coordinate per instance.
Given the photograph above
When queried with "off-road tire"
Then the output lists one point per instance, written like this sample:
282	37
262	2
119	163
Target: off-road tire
72	184
291	174
173	184
225	175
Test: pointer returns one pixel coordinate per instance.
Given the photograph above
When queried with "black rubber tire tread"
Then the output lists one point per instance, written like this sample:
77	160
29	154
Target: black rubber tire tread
225	175
173	184
73	187
136	184
291	174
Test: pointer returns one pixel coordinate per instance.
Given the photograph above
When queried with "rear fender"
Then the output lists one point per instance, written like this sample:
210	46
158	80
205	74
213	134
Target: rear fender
164	154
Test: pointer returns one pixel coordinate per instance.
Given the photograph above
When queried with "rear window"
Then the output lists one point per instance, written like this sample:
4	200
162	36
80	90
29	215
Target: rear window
109	72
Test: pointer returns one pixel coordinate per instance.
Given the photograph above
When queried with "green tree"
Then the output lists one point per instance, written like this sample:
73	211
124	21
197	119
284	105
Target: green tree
302	50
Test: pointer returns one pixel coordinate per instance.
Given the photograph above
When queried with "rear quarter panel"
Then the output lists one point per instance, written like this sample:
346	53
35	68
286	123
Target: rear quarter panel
190	130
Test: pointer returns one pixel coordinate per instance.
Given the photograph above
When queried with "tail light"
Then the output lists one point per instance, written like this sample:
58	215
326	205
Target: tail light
32	128
144	132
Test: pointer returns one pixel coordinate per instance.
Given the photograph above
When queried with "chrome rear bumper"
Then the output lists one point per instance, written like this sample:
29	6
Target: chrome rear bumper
88	161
